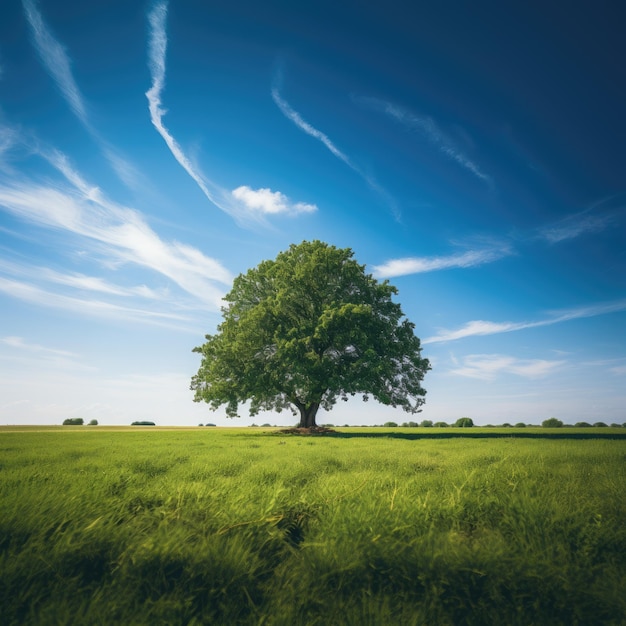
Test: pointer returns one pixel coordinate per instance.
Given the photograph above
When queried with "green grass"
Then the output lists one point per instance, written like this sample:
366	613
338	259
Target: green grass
242	526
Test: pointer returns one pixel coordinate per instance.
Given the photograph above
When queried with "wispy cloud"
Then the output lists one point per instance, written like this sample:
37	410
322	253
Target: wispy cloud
270	202
8	140
418	265
593	219
482	327
80	281
56	61
157	49
429	128
95	283
489	366
34	294
20	344
291	114
19	351
616	366
121	234
297	119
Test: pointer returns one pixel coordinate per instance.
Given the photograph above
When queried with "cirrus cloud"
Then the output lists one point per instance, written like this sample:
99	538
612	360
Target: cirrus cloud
483	327
489	366
418	265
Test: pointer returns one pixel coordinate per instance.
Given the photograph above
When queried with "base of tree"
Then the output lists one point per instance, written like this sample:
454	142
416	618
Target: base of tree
314	430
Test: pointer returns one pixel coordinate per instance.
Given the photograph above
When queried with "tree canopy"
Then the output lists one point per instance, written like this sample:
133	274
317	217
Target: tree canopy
305	330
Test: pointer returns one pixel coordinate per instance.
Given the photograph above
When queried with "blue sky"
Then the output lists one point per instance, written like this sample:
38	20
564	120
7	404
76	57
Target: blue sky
471	153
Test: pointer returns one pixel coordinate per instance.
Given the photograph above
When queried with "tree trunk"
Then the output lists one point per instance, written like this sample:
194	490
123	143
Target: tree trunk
307	414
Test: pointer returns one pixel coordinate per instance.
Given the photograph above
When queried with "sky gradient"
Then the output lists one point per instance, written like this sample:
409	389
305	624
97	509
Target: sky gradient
470	153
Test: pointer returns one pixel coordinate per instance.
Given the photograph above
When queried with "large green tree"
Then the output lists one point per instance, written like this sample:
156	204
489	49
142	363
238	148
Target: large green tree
306	329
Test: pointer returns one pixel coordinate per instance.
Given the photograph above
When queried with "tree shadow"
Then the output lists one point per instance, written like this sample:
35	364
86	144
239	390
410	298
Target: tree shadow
474	435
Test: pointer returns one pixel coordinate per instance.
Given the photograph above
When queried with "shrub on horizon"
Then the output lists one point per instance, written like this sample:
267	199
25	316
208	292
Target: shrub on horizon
73	421
600	425
426	424
93	423
390	425
520	425
552	422
143	424
440	425
582	425
464	422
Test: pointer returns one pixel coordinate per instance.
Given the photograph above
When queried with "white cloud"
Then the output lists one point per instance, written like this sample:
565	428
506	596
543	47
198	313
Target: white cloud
418	265
482	327
431	130
489	366
270	202
309	129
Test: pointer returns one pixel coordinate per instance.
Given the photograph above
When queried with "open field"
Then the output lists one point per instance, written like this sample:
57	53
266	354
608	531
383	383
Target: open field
119	525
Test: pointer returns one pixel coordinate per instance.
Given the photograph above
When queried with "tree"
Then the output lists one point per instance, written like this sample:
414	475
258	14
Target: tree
464	422
552	422
305	330
93	423
73	421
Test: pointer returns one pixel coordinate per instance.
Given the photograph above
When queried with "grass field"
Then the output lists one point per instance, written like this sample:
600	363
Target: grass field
246	526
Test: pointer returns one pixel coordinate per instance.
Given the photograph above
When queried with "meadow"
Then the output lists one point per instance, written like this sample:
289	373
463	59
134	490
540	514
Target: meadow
248	526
